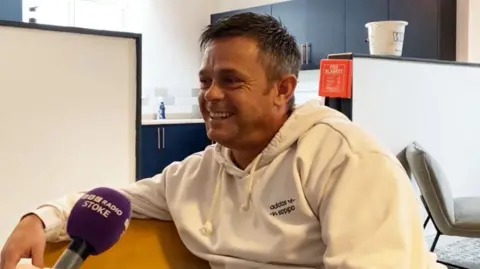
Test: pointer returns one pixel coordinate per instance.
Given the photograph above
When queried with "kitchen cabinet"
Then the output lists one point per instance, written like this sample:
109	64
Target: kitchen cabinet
357	15
165	143
265	9
292	16
325	29
11	10
318	26
337	26
421	16
430	32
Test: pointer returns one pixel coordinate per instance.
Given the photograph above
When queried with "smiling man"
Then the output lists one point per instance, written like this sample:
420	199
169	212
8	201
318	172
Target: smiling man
243	103
284	187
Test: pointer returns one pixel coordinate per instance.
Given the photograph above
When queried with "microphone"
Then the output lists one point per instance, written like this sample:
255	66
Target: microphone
97	221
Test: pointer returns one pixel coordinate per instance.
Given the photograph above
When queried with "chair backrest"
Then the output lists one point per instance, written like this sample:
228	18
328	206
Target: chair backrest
402	157
433	185
147	244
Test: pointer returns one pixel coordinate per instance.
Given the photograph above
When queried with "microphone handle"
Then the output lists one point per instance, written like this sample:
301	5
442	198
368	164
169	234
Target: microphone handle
74	256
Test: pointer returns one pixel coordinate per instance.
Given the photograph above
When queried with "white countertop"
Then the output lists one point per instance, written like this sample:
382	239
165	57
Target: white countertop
171	121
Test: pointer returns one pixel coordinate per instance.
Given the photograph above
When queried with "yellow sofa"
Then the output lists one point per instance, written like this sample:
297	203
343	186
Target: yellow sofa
147	244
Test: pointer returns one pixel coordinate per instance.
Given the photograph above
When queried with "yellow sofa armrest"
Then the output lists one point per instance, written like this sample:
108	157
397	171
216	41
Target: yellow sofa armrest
147	244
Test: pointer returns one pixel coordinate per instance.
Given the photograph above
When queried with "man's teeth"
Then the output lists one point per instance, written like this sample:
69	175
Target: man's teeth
220	115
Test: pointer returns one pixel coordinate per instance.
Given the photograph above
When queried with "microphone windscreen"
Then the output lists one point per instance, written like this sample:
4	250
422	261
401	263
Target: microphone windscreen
99	217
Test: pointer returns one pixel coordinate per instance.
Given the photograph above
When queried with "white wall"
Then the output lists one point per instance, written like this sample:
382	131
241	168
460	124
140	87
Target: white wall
96	14
444	122
474	29
468	31
171	56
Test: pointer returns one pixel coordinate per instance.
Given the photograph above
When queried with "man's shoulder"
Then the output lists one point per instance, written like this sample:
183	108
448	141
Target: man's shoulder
193	162
342	136
196	169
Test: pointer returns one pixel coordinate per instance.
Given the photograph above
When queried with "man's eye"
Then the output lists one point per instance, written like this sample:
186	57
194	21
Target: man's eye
231	80
204	83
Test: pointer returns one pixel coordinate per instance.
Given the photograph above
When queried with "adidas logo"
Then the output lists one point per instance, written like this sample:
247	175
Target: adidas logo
283	207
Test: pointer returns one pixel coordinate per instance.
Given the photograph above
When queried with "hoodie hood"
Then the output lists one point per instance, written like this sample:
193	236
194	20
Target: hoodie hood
303	118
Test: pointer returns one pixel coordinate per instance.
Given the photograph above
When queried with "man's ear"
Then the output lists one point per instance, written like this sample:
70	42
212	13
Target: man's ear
285	89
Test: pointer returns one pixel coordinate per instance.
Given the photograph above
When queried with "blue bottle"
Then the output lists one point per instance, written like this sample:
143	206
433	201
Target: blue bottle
161	111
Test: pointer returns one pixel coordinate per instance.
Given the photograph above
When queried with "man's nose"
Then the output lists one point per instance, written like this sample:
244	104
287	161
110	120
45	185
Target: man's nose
214	93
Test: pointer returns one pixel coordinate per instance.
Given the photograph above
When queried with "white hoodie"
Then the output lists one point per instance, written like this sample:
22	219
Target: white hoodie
322	194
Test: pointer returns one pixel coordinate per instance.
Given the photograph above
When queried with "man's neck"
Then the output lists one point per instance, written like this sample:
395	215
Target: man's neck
244	156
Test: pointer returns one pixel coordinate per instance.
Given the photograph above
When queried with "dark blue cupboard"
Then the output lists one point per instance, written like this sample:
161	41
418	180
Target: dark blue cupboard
163	144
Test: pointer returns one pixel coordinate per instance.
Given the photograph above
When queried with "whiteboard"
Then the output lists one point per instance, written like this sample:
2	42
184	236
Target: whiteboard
436	104
69	114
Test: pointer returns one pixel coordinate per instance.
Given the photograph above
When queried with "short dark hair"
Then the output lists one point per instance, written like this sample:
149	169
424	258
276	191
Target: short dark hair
279	51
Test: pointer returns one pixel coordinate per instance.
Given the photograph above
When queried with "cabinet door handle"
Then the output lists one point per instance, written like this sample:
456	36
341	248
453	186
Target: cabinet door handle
163	137
303	53
308	51
159	139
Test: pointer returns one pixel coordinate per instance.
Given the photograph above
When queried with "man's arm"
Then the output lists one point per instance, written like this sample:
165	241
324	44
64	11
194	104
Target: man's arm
147	197
370	217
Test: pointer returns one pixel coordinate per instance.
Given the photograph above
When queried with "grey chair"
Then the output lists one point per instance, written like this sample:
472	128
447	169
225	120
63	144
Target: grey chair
450	216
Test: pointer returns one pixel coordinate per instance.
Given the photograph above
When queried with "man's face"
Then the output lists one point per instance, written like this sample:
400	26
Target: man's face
236	100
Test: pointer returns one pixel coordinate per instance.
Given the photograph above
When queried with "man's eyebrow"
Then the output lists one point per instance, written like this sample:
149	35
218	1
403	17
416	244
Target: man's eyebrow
222	71
231	71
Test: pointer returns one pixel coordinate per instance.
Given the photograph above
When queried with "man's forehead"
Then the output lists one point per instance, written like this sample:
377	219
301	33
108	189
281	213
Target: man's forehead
230	54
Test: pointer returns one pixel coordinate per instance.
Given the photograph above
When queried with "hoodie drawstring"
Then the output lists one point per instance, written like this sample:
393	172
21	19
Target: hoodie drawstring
207	228
251	177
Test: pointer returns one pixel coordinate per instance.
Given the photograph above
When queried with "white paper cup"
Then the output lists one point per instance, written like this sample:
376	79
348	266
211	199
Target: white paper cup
386	37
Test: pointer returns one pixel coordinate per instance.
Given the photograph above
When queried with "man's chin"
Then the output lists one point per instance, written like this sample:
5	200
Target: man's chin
220	137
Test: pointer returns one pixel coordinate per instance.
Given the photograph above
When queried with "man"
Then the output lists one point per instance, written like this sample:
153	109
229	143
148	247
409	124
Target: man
283	187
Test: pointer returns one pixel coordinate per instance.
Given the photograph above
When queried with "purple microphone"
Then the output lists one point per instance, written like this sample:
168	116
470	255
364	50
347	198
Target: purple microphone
96	223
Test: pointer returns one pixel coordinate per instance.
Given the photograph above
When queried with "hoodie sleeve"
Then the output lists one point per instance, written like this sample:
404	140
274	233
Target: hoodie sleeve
370	217
147	197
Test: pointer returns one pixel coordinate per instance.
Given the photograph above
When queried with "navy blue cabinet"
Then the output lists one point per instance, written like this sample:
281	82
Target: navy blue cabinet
266	9
421	29
431	27
11	10
184	139
292	16
166	143
324	27
318	26
357	15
